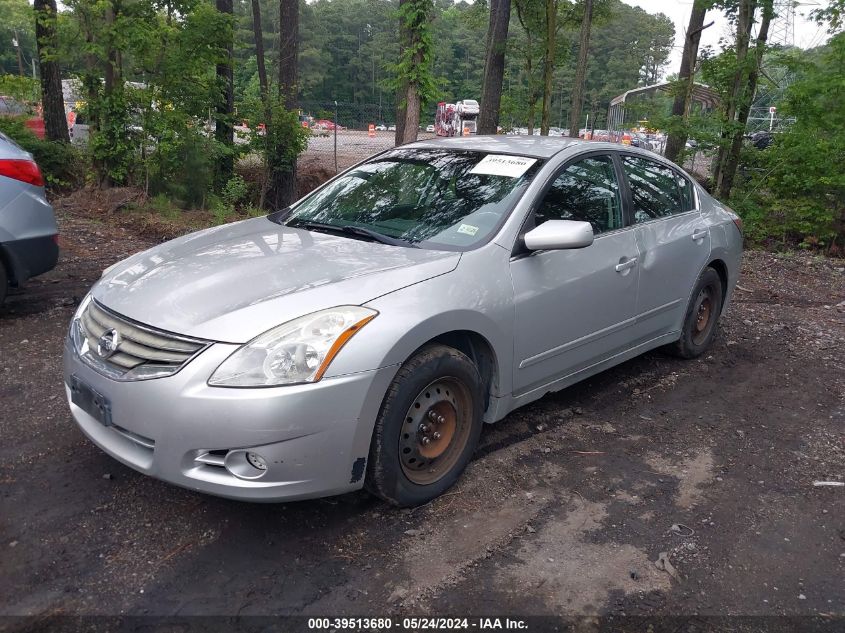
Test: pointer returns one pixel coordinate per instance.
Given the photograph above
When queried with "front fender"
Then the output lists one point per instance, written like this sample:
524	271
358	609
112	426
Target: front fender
477	296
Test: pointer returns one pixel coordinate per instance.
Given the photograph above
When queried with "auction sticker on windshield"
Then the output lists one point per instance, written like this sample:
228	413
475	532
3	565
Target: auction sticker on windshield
502	165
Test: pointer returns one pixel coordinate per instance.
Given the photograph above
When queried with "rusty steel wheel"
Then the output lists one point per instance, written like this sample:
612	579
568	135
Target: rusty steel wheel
427	428
701	317
436	429
703	314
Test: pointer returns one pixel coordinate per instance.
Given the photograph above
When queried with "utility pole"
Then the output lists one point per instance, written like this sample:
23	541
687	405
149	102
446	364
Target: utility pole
17	44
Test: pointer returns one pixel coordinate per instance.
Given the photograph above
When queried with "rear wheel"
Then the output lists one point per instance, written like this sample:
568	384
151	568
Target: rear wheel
702	315
428	427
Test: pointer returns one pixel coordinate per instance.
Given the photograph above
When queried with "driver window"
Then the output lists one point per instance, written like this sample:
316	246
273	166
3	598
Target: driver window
587	191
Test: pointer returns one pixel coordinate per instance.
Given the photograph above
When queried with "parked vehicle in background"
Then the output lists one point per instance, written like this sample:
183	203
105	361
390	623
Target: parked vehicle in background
79	129
381	127
395	309
28	231
638	139
761	139
429	128
328	125
391	128
456	119
9	106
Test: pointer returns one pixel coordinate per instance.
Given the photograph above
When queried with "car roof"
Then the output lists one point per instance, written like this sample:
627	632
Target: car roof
534	146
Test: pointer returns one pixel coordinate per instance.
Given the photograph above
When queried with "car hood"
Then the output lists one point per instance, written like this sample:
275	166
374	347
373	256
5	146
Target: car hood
233	282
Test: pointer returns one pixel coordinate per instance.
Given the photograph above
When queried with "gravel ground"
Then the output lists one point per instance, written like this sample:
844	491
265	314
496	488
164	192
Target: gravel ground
707	464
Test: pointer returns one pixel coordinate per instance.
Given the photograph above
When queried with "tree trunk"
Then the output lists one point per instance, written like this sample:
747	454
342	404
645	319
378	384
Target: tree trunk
264	89
581	70
224	130
731	163
288	52
494	66
283	170
548	65
745	20
412	114
112	83
258	34
402	89
52	101
529	66
677	139
416	82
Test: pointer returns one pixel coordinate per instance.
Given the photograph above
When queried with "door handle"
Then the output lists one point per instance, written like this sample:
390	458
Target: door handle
623	266
699	234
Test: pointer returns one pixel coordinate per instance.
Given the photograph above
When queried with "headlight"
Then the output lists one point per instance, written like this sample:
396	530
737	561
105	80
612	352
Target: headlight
295	352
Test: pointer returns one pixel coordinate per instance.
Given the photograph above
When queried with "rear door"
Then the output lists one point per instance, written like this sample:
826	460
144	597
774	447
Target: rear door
673	241
574	308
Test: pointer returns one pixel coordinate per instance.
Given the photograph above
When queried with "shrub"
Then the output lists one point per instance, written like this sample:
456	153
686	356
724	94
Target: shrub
62	165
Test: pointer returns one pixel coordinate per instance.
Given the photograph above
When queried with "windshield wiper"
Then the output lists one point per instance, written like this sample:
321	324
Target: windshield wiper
354	230
379	237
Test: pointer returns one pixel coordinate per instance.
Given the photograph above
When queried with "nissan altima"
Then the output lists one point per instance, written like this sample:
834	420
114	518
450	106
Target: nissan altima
363	336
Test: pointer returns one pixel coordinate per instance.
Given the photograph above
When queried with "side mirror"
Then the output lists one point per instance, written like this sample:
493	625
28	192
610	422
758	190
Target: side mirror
559	234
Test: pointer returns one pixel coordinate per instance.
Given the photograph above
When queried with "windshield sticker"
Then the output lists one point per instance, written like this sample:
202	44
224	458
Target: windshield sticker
468	229
501	165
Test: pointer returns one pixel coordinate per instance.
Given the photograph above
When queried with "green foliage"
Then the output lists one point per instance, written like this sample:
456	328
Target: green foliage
628	48
794	191
182	166
163	60
284	141
415	60
24	89
235	191
62	165
162	205
17	20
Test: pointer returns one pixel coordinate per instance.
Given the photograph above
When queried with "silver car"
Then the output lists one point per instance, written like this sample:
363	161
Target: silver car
28	232
363	336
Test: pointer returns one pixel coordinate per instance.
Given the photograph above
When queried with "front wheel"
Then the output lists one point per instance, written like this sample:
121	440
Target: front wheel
428	427
702	314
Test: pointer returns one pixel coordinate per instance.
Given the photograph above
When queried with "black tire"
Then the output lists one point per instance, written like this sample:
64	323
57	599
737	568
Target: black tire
4	283
438	388
702	316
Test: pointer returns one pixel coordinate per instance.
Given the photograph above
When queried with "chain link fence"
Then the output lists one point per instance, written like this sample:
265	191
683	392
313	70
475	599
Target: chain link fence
343	134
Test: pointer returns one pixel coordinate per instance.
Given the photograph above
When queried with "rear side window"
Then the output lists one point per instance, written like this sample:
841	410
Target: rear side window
687	195
655	189
587	191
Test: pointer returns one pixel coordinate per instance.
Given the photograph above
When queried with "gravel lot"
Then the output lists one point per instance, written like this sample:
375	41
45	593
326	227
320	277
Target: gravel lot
569	502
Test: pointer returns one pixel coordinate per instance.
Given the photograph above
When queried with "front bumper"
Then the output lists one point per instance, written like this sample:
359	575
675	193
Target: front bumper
315	438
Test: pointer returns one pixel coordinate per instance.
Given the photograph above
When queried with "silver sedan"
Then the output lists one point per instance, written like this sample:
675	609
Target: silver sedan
364	335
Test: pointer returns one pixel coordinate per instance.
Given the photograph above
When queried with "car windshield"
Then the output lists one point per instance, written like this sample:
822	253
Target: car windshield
438	199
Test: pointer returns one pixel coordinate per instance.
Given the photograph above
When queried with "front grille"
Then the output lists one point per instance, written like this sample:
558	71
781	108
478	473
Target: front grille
140	351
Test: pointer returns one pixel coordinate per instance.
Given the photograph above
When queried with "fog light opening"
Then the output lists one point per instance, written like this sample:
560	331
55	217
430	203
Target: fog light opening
256	461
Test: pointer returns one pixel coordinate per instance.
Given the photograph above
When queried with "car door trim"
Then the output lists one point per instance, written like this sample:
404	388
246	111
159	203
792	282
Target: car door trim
578	342
560	382
658	310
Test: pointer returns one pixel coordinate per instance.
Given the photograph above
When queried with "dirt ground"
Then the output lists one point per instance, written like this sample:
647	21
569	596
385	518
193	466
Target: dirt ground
565	510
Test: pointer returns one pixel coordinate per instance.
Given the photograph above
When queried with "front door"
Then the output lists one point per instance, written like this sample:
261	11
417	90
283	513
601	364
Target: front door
573	308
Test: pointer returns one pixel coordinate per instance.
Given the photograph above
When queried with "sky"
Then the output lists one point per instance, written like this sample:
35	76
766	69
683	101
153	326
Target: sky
807	33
